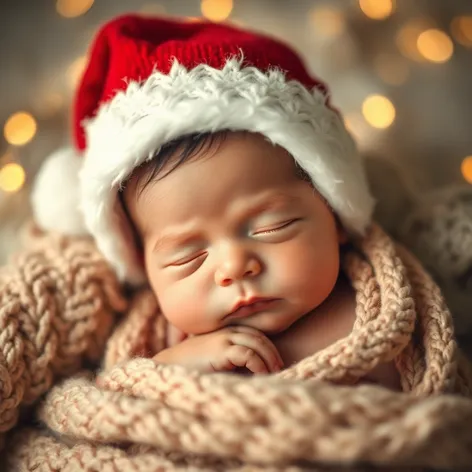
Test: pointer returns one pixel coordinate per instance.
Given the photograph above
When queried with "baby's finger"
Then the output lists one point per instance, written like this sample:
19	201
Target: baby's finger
259	345
242	356
263	339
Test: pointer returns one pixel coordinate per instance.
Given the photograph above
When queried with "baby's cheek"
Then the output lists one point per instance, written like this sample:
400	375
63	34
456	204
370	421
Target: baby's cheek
307	273
176	303
185	308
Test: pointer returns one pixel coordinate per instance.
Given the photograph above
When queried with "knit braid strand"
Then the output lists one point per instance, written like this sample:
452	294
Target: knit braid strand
139	416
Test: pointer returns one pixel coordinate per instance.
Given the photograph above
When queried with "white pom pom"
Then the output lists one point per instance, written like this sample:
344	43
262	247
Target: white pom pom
55	194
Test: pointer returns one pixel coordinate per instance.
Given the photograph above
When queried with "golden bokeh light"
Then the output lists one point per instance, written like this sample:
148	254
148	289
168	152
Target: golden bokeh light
327	22
12	177
216	10
377	9
73	8
461	29
20	128
435	45
407	38
47	102
52	103
466	169
393	70
75	71
152	9
378	111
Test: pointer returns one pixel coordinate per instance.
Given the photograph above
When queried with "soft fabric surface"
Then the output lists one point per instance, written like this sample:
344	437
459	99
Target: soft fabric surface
62	311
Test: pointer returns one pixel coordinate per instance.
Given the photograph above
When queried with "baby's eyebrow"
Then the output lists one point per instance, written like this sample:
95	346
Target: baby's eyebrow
174	239
271	200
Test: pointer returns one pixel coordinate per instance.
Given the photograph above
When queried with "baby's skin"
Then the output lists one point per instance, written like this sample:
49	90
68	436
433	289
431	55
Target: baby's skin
243	255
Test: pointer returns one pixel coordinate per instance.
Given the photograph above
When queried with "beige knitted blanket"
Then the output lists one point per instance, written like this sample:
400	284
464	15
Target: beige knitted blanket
63	313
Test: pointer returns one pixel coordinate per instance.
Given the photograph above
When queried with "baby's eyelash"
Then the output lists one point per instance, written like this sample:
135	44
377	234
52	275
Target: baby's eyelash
276	228
187	260
196	256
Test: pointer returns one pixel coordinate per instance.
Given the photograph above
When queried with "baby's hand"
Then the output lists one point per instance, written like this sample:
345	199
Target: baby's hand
227	349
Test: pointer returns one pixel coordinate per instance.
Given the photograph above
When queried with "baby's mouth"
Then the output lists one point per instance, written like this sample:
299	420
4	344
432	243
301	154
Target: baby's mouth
251	306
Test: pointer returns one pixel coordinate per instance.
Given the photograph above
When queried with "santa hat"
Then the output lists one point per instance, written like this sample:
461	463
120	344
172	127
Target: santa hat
152	80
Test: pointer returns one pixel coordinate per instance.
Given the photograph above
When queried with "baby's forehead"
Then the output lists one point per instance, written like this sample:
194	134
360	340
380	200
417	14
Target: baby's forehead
222	165
171	156
250	158
205	146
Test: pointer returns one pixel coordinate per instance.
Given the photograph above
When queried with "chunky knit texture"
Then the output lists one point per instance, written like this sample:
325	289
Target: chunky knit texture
57	305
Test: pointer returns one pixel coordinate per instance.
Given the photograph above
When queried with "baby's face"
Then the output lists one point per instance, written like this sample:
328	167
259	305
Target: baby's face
236	227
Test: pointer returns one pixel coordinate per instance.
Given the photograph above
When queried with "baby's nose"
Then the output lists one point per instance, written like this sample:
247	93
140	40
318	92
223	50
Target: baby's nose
237	268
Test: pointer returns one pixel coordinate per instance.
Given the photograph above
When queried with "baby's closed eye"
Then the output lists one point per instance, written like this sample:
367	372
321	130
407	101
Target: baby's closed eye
276	227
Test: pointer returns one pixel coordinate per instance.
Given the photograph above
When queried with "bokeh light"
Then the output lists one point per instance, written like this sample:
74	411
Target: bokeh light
327	22
73	8
20	128
407	38
466	169
461	29
378	111
50	104
393	70
216	10
75	71
435	45
152	9
377	9
12	177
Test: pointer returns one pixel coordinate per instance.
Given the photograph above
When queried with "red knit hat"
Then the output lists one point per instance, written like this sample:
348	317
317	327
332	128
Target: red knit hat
151	80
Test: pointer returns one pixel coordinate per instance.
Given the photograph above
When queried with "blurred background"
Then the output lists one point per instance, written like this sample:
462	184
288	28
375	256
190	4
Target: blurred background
400	71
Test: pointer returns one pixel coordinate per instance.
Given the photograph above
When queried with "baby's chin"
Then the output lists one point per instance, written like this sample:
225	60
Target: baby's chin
269	323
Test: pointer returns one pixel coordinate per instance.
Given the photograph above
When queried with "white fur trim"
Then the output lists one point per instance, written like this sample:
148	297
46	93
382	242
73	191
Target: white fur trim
135	123
55	193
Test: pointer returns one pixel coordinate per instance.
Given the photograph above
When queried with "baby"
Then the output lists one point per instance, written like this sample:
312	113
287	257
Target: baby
247	264
215	170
